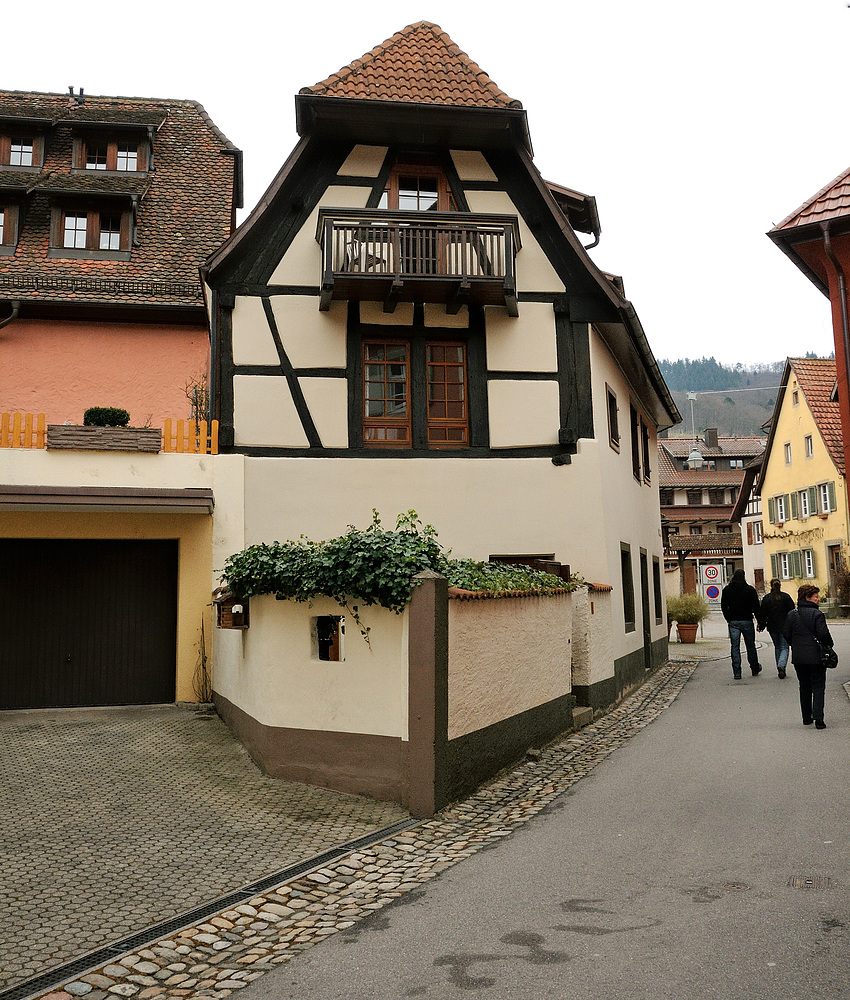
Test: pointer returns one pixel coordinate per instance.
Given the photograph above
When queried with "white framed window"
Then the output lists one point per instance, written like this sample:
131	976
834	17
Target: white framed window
784	566
826	497
809	446
787	452
780	507
757	533
20	153
795	397
808	563
736	463
804	503
75	231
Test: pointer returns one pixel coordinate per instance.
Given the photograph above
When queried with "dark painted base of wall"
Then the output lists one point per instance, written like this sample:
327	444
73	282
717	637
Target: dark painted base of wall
347	762
475	757
629	671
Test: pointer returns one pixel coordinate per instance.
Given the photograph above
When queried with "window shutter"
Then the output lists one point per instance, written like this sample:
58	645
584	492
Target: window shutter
796	566
813	499
831	487
794	505
787	505
774	565
749	532
771	513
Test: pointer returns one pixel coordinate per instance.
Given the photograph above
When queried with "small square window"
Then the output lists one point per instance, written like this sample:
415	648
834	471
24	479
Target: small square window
96	156
127	156
20	153
110	232
75	231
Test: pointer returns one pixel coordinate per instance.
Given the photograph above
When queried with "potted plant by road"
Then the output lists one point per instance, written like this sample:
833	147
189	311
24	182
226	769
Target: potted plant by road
687	610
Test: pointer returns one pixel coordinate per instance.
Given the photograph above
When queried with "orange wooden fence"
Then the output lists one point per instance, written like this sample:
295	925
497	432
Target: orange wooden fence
22	430
191	436
29	430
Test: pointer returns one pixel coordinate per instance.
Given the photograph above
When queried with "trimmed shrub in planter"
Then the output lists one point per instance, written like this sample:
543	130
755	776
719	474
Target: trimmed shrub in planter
105	416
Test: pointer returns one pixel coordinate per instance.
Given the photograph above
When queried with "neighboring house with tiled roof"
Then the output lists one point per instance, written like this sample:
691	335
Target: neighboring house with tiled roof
802	478
108	206
699	481
408	319
816	237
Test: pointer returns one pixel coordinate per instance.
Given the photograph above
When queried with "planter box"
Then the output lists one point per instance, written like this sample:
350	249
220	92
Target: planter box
687	633
74	437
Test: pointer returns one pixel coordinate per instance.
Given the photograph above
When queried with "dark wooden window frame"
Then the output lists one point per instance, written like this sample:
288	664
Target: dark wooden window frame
110	144
656	590
6	141
418	423
635	431
94	213
627	577
613	420
644	441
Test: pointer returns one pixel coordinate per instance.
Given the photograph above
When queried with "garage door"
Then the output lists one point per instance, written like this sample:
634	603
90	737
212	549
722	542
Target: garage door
87	622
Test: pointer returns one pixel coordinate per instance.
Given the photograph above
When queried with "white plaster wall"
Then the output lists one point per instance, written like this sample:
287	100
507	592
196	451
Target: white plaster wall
472	165
311	339
581	638
264	413
436	315
534	271
281	684
602	647
364	161
327	400
133	470
302	263
629	510
526	343
252	338
506	656
523	413
373	312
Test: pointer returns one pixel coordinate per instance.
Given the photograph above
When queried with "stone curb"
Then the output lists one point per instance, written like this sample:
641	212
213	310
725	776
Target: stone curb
233	948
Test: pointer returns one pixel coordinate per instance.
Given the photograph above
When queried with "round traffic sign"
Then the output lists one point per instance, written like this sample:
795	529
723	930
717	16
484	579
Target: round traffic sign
711	572
712	592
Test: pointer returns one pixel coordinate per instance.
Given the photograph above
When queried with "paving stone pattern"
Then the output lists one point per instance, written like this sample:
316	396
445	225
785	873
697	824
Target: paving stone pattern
228	951
112	820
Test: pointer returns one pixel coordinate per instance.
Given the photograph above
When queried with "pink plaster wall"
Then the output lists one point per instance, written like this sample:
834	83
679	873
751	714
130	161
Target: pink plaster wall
62	367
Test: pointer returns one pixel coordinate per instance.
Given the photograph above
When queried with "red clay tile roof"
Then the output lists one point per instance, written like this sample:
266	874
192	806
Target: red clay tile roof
831	202
185	202
728	447
696	512
420	65
816	377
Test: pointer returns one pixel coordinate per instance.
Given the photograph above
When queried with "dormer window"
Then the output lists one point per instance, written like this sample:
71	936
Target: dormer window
418	188
20	151
115	155
91	231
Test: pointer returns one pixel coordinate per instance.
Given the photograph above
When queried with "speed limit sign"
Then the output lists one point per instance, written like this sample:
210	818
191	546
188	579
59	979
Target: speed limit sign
711	573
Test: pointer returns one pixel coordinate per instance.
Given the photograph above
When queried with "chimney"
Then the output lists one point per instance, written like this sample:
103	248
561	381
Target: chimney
711	437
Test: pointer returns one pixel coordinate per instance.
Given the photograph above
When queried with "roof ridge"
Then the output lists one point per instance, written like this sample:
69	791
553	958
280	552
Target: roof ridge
363	78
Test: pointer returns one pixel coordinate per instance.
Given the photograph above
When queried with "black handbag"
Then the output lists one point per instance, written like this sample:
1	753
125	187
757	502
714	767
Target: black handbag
828	656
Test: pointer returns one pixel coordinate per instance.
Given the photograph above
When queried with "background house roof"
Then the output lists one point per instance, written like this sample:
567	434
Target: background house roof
816	377
184	203
697	512
727	447
831	202
421	65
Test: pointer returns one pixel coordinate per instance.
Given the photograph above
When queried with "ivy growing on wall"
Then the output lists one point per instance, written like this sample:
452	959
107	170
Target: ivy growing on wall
374	565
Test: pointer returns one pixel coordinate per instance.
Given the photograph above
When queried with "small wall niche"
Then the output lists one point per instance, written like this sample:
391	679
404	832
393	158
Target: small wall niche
327	637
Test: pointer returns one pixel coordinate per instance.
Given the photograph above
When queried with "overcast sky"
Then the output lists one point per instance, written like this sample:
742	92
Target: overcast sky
697	125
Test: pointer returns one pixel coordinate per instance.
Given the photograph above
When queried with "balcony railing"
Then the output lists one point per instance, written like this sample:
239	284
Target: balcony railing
418	257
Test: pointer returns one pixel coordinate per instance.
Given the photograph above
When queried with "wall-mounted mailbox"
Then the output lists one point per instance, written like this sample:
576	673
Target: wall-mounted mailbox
231	612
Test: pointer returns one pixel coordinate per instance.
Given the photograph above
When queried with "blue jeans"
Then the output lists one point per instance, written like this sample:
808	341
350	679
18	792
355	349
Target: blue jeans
780	650
748	630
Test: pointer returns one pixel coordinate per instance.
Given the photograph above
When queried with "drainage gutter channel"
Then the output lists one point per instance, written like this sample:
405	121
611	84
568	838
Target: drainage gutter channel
101	956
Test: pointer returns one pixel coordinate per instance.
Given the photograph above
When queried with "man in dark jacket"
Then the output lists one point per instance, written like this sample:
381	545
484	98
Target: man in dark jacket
739	603
806	631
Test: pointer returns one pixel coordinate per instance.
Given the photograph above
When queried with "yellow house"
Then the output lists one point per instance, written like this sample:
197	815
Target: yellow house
802	483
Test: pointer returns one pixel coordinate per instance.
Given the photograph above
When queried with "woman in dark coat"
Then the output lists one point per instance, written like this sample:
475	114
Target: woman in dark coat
804	627
774	610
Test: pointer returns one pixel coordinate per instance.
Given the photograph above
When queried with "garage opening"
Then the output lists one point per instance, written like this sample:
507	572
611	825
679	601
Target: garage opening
87	622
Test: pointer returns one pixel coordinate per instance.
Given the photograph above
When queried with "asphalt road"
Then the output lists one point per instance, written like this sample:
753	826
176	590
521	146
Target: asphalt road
663	874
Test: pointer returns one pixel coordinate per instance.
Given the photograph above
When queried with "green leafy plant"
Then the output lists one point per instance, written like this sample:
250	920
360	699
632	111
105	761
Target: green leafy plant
687	609
105	416
374	565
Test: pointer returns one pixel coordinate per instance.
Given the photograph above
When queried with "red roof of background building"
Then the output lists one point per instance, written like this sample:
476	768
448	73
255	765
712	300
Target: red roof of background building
831	202
420	65
816	377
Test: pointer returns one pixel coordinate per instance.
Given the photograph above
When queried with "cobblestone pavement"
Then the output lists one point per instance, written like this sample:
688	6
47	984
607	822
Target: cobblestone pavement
231	949
112	820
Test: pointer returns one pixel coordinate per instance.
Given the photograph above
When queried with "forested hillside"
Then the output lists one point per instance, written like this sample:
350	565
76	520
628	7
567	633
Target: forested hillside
735	399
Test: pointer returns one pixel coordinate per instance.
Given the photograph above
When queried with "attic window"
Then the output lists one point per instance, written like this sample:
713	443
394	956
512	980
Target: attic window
94	231
418	188
20	151
112	155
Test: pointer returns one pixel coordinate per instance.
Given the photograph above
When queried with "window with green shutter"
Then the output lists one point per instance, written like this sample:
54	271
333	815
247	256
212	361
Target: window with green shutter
795	507
796	564
774	566
771	513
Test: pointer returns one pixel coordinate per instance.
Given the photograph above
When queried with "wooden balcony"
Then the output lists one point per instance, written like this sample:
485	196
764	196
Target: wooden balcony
392	257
